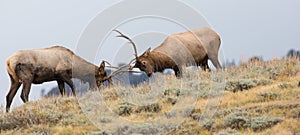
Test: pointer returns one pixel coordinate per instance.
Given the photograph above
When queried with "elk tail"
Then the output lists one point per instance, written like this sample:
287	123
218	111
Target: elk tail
10	70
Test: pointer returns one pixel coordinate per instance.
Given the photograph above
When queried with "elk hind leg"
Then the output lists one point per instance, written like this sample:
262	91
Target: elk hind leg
204	64
214	59
213	52
15	85
178	72
25	91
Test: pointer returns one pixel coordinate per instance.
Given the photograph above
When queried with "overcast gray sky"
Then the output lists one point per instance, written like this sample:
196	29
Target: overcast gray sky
267	28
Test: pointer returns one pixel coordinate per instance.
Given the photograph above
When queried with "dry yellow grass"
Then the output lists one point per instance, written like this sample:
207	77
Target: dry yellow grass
259	98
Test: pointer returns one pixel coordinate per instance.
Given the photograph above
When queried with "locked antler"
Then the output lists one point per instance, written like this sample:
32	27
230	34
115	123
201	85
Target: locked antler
130	41
123	68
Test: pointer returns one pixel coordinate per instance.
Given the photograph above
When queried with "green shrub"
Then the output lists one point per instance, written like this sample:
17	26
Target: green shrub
261	123
100	133
235	121
152	108
28	117
188	110
240	122
296	114
245	84
269	96
125	109
208	125
285	85
273	72
200	85
196	114
105	119
171	114
172	100
228	132
239	85
144	129
172	92
40	130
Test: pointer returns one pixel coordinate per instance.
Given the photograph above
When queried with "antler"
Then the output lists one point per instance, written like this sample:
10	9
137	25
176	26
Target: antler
120	69
127	65
130	41
110	65
118	72
123	68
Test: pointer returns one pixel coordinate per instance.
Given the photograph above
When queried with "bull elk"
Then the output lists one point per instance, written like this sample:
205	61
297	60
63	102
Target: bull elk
194	47
50	64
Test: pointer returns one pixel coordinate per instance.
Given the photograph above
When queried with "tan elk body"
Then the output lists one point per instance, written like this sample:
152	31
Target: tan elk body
56	63
194	47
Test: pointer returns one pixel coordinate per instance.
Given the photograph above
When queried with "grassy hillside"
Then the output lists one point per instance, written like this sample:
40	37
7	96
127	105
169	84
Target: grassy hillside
253	98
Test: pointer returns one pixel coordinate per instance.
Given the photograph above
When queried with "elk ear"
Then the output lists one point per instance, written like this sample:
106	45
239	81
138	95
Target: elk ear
102	66
147	52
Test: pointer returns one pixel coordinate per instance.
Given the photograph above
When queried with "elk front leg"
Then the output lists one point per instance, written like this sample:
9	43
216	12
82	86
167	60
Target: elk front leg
61	86
65	78
70	83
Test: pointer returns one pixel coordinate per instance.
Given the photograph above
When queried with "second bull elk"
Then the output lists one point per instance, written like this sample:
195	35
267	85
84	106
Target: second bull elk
56	63
194	47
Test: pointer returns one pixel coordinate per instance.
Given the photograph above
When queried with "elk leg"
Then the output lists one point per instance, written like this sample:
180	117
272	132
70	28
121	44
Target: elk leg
61	86
204	65
25	91
70	83
64	78
12	92
25	73
215	62
92	84
177	72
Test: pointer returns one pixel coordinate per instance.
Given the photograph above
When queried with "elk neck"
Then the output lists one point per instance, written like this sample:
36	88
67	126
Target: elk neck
83	69
160	61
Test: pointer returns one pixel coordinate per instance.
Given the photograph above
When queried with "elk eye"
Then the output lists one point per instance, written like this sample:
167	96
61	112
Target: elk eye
144	63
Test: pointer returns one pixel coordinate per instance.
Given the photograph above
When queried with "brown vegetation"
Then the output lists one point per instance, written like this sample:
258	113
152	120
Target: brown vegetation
266	101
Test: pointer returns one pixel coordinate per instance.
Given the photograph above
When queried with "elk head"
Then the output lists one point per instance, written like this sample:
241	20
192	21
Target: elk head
100	73
145	62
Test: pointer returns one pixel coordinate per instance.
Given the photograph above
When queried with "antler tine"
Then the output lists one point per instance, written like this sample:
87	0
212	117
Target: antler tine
120	70
130	41
127	65
131	67
117	72
110	65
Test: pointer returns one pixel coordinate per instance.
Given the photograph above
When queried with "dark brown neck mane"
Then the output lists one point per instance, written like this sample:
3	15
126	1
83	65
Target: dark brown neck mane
160	61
